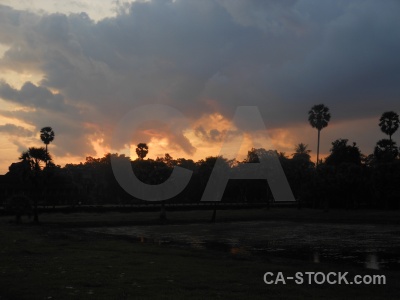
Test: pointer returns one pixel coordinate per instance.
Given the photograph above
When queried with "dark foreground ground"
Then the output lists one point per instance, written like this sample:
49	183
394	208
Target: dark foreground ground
56	261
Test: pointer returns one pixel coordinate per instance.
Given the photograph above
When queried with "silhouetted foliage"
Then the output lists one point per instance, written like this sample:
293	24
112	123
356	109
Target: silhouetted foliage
343	153
385	151
252	156
346	178
141	150
34	157
31	165
47	136
385	178
301	152
319	118
389	123
299	171
19	205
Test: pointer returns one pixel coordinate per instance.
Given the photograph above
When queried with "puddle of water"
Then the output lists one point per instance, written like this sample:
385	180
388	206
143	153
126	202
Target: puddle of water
369	246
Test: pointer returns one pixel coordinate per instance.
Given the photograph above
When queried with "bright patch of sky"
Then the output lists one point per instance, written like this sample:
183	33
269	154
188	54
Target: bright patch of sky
96	9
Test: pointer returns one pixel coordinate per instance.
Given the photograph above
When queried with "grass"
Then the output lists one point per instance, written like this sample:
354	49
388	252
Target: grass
53	262
201	216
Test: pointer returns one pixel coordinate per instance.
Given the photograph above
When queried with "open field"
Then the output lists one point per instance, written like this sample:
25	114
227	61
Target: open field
204	216
55	261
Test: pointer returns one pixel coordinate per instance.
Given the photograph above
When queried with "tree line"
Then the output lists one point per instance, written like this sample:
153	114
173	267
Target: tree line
346	178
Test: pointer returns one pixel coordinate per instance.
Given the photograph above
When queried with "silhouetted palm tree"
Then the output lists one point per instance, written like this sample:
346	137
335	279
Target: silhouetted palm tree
389	123
319	118
34	156
47	136
301	152
142	150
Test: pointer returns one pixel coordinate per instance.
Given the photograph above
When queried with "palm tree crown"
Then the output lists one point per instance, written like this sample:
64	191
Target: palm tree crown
389	123
142	150
301	152
47	135
319	116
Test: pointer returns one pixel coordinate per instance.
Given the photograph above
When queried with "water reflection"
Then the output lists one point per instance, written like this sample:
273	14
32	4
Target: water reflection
196	243
239	251
373	247
372	262
316	257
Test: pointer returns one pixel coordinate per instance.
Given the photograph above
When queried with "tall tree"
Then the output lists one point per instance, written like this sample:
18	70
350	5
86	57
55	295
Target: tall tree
205	169
34	157
389	123
47	136
319	118
299	167
141	150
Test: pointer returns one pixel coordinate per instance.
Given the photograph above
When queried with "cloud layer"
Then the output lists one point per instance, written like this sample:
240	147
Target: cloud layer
201	57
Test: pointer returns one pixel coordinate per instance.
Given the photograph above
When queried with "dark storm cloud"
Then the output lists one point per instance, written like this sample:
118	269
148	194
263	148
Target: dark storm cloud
15	131
355	64
203	56
34	96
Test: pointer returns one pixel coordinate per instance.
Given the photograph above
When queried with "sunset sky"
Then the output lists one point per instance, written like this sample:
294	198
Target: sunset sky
80	65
